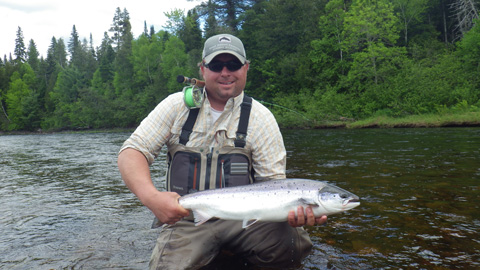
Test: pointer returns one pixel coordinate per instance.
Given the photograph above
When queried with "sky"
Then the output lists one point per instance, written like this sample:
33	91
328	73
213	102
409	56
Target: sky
41	20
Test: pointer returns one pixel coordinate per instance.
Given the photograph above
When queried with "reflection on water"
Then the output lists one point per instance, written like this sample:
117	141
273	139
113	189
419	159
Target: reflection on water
63	204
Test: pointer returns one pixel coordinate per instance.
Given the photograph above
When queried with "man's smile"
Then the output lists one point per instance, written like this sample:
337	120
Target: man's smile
226	83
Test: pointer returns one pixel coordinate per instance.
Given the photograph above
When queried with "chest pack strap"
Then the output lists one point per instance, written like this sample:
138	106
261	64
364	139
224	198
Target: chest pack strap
188	126
245	109
241	136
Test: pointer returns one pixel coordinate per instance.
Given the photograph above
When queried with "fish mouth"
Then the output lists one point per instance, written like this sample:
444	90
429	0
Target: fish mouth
351	201
354	200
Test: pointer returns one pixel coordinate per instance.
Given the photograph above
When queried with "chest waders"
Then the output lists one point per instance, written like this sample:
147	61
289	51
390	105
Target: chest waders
200	168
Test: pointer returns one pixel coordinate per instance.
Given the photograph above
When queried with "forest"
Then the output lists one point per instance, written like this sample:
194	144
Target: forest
311	61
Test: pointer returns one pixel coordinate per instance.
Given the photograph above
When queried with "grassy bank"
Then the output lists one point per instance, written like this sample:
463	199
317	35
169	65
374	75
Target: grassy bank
465	119
469	118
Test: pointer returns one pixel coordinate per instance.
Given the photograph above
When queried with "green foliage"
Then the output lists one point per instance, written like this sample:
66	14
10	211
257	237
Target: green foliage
311	61
21	101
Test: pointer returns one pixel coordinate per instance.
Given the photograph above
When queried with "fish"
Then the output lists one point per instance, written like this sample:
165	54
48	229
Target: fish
267	201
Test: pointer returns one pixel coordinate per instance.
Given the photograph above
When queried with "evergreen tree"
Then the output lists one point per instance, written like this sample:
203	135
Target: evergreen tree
152	31
20	51
190	32
103	78
90	58
75	49
145	30
60	53
212	25
55	62
223	15
117	28
33	55
123	80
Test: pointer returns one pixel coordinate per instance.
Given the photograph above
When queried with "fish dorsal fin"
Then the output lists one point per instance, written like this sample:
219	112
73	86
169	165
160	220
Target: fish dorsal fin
200	217
248	222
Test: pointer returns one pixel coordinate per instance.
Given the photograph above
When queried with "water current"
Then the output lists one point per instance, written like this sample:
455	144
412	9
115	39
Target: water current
63	204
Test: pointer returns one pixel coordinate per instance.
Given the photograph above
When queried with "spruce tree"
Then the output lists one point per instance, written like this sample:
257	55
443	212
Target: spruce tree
33	56
20	50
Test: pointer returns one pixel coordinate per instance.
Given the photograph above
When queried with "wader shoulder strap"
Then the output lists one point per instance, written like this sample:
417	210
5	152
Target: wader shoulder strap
188	126
240	139
245	109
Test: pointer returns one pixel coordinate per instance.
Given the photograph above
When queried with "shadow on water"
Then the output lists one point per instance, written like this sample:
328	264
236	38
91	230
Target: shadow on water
64	206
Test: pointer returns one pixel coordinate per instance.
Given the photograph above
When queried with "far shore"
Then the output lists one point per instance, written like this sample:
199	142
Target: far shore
465	119
462	119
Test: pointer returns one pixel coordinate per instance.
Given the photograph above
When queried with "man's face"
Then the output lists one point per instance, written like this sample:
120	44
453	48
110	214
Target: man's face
224	84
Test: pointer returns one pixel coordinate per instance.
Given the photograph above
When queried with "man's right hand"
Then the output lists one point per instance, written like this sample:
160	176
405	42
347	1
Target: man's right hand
165	207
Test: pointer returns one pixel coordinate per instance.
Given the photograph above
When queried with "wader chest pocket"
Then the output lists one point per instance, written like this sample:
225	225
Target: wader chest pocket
233	170
184	173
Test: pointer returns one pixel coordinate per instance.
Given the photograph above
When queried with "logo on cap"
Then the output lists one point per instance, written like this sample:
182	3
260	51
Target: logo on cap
224	39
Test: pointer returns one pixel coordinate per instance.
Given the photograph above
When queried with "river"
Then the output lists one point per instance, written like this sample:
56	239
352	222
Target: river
63	204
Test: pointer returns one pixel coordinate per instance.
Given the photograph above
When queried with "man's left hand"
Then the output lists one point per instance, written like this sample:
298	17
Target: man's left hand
301	219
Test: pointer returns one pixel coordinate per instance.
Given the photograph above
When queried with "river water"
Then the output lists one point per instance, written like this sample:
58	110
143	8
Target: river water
63	204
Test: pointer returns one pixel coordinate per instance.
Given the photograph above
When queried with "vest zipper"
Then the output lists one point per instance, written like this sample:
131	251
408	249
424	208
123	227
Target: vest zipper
207	173
222	175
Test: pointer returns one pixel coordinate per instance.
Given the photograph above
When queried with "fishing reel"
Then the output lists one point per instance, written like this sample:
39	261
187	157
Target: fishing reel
192	93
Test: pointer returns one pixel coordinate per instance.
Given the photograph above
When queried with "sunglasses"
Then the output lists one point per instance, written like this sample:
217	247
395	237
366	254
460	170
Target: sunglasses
218	66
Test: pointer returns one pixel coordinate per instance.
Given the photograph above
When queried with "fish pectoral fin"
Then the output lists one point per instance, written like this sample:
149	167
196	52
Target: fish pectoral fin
248	222
304	201
200	217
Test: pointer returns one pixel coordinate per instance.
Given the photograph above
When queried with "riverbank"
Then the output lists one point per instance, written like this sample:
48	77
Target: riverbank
466	119
69	131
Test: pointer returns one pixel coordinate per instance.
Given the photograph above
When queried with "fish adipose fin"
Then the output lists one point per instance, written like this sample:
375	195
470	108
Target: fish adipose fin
248	222
200	217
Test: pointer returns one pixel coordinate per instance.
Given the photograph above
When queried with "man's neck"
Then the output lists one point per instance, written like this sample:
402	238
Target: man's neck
216	104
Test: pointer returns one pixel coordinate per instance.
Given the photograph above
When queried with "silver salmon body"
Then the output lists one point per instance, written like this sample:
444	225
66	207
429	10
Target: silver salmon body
268	201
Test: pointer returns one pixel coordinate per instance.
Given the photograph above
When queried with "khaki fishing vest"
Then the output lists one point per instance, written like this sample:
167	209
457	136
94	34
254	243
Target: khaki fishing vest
192	169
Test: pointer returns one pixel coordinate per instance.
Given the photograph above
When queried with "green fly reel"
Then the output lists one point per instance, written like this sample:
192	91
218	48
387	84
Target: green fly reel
193	96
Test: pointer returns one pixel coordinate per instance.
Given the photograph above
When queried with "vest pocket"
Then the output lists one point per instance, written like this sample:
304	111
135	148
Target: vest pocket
184	173
233	170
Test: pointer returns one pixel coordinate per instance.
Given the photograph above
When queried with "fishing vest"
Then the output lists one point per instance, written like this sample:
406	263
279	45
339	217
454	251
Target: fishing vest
192	169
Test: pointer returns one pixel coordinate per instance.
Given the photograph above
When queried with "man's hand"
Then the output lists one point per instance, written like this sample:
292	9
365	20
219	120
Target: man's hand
165	207
300	219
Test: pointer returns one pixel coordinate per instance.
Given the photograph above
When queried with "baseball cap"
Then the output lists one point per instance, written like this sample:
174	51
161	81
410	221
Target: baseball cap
223	43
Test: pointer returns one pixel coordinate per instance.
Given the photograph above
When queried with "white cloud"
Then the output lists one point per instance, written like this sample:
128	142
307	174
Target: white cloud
41	20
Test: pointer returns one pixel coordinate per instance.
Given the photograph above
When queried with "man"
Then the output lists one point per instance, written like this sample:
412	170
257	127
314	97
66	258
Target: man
231	140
